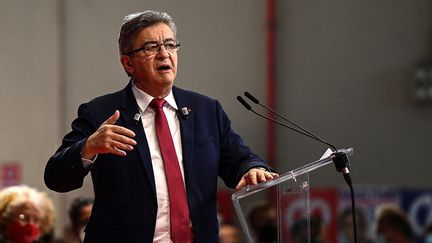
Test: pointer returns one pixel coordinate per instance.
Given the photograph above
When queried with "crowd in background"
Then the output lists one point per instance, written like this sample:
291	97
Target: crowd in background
391	226
27	216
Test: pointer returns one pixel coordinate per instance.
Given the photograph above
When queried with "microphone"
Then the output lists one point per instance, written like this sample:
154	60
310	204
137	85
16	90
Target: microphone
185	112
340	159
244	103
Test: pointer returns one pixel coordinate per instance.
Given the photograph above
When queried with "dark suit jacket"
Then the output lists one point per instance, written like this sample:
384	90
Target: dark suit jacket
125	200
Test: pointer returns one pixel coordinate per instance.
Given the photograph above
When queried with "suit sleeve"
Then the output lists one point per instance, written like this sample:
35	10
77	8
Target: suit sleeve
64	171
235	157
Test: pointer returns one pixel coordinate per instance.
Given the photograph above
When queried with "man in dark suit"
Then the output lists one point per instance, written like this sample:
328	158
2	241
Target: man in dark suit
115	138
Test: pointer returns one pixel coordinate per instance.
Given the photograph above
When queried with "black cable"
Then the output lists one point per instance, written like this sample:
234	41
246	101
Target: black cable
347	178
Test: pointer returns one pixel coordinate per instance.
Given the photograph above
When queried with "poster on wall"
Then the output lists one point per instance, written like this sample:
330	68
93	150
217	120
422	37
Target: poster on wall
10	173
418	206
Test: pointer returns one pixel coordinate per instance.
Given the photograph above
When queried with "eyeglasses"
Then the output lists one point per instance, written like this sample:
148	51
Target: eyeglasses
24	218
153	47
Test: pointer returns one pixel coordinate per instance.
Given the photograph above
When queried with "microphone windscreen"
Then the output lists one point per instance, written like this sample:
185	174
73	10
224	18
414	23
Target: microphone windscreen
244	103
253	99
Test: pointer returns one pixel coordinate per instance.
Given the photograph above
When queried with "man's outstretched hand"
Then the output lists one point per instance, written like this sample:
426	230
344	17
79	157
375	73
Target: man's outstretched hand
109	139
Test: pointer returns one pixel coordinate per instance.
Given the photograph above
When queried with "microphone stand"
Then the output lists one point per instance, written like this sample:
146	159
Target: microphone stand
340	159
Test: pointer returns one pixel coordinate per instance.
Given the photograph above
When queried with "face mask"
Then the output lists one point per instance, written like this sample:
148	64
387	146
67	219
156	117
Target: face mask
23	233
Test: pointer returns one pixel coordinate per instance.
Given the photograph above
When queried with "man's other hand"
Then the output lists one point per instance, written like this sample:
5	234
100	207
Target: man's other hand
255	176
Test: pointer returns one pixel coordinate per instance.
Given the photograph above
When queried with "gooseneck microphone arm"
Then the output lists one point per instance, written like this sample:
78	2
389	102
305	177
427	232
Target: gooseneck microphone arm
256	101
299	128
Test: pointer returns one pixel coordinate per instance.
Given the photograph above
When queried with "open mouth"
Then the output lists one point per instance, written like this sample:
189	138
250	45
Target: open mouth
163	67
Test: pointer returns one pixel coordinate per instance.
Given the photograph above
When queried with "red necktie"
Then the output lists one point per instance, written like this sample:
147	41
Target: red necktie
179	211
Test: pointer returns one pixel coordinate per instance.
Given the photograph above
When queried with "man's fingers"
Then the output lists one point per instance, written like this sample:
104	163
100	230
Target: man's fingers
114	143
112	147
262	176
241	184
121	146
122	130
118	151
112	119
252	176
255	176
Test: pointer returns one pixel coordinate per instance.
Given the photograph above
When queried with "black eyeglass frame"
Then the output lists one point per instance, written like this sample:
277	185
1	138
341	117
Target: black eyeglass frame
159	46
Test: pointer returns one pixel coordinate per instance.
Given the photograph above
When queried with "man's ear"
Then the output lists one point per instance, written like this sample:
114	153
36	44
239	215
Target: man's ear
127	65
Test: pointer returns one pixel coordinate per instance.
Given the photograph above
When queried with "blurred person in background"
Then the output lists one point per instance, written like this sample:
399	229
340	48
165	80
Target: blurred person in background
427	237
229	233
263	222
393	225
300	233
26	215
79	215
345	227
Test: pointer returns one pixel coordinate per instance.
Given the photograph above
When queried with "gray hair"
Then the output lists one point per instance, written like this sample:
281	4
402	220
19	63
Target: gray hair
133	23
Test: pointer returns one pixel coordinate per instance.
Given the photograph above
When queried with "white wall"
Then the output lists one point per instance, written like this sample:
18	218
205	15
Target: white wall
345	72
29	86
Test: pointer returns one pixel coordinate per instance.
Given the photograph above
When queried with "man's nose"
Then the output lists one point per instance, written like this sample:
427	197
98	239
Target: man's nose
163	53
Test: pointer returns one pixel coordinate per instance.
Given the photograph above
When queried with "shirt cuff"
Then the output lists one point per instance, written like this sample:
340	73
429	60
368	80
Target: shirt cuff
88	162
260	168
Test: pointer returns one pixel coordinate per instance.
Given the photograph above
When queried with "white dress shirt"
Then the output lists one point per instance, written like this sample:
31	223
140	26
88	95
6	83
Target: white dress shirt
162	230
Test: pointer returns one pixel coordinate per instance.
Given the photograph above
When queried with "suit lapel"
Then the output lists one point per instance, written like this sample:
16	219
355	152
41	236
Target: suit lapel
129	109
186	129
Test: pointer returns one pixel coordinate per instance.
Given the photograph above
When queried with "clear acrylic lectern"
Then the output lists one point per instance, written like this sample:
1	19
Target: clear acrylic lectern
292	224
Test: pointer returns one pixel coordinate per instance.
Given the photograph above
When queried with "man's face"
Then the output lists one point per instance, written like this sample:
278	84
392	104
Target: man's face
152	73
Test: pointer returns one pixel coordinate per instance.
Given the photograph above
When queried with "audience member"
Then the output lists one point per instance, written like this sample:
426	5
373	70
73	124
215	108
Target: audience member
263	222
393	225
79	215
345	224
26	215
229	233
427	237
300	233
